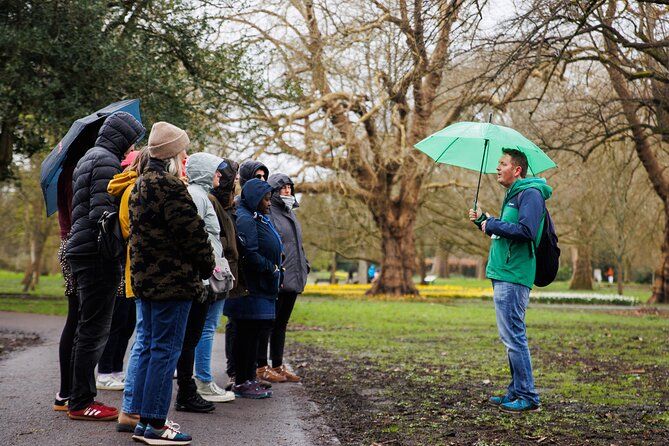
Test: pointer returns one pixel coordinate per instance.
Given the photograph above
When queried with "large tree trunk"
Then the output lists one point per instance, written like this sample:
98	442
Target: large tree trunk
648	158
661	282
581	278
398	251
333	269
6	148
37	243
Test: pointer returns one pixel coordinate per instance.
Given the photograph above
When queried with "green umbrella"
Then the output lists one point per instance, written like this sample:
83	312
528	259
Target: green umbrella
478	146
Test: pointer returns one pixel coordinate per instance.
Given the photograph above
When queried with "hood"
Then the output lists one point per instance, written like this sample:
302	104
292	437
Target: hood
120	182
200	169
529	183
248	168
118	132
228	174
277	181
252	192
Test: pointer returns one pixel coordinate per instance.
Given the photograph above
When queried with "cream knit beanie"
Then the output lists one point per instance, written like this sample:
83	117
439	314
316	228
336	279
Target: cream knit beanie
167	140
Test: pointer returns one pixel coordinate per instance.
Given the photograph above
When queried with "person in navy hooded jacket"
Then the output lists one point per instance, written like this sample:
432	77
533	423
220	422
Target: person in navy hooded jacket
260	267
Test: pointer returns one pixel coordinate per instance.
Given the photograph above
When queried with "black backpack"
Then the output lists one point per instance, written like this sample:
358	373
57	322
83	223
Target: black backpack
547	254
111	244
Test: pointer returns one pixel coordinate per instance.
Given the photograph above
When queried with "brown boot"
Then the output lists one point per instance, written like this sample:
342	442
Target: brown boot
267	374
290	376
127	422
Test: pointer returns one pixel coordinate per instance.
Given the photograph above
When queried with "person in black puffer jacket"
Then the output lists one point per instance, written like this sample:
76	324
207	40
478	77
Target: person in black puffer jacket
97	278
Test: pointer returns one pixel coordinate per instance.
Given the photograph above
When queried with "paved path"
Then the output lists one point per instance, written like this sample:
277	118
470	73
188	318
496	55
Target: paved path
29	380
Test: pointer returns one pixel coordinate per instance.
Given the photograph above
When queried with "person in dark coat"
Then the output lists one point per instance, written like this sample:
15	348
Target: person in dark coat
260	267
97	278
247	170
296	268
170	256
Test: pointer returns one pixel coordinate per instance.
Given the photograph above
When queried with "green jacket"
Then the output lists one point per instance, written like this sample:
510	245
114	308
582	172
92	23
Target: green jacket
511	257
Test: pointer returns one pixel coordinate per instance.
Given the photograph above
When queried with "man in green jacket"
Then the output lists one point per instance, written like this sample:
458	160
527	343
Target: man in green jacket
511	267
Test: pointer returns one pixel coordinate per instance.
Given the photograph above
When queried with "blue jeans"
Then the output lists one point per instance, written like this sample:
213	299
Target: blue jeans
133	358
164	329
510	304
206	344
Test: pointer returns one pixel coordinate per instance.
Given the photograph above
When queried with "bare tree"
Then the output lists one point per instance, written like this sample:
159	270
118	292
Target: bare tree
628	40
354	85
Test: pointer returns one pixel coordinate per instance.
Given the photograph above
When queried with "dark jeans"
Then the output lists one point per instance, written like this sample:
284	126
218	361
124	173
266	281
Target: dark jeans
97	282
196	318
230	334
66	343
245	347
276	334
122	327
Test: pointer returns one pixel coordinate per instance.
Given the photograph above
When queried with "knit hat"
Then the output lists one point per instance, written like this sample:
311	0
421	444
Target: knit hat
167	140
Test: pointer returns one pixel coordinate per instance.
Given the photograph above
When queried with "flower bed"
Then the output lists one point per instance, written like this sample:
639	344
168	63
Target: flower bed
431	292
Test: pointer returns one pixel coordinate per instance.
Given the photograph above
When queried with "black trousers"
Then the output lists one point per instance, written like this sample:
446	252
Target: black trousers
196	318
245	347
122	327
230	334
66	344
276	334
97	282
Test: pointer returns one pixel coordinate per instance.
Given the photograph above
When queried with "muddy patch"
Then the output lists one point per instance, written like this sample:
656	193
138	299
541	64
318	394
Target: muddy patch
366	404
16	340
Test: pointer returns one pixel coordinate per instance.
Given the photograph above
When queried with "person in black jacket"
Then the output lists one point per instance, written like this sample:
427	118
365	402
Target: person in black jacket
97	278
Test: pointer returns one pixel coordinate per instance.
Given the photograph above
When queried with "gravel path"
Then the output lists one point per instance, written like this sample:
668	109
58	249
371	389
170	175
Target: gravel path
29	380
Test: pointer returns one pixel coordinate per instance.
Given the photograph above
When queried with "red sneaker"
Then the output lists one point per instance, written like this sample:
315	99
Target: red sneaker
96	411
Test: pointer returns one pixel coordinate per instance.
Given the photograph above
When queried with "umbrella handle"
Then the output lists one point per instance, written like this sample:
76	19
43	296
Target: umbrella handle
478	185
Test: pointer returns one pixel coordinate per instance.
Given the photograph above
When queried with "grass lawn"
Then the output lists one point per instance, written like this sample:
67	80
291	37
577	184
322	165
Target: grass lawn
48	286
412	373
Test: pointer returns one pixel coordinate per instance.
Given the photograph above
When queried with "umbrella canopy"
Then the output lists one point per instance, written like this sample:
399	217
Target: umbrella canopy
463	144
71	148
478	146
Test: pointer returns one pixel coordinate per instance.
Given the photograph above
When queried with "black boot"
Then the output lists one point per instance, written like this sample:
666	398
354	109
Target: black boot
193	402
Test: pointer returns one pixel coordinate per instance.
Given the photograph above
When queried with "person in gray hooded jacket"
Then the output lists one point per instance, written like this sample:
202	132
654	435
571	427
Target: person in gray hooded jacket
296	269
203	175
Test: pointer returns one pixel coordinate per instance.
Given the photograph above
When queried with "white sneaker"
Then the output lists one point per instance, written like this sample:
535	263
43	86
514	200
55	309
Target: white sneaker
106	381
212	393
119	376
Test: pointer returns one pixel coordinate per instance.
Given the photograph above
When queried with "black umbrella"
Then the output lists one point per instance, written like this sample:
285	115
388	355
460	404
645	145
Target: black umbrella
72	147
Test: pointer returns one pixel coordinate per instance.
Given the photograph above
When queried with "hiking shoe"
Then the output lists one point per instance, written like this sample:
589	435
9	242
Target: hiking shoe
127	422
290	376
168	435
60	404
211	392
96	411
497	400
138	434
193	402
267	374
251	389
518	406
107	381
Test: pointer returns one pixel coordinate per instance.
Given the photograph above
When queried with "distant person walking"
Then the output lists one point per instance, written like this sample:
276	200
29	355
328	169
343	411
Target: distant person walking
609	275
170	255
97	278
296	268
511	267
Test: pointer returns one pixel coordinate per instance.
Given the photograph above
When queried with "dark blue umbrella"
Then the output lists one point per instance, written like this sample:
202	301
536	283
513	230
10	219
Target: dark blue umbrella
71	148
